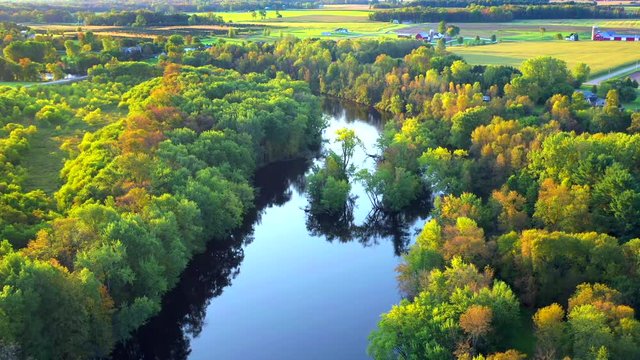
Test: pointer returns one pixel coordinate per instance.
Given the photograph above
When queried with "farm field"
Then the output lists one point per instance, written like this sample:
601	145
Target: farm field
598	55
530	30
313	23
299	23
315	15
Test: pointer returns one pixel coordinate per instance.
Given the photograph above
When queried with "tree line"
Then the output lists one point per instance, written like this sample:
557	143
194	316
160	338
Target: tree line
459	3
141	18
504	13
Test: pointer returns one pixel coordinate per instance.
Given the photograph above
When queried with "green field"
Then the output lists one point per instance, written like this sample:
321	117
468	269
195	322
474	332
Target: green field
17	83
315	15
313	23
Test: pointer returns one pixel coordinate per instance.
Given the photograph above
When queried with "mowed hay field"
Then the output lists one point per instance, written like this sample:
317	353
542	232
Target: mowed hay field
313	23
600	56
300	16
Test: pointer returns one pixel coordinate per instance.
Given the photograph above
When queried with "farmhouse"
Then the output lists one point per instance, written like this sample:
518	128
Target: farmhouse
600	35
592	98
131	51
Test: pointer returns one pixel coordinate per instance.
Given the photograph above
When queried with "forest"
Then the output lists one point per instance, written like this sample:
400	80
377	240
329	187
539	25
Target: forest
534	232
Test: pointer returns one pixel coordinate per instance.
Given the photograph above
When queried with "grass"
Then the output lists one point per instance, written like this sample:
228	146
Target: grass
313	23
315	15
598	55
522	337
17	83
43	161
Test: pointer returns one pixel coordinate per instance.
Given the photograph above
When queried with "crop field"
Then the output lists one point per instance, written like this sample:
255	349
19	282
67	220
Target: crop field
598	55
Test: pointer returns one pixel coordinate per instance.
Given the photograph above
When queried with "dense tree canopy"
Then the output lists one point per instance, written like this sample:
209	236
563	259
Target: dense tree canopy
536	192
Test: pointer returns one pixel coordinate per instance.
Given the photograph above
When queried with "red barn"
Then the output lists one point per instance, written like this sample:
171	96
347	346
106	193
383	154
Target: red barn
598	35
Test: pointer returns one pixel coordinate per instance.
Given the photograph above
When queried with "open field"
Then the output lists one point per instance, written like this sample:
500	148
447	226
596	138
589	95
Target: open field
316	15
598	55
529	30
17	83
299	23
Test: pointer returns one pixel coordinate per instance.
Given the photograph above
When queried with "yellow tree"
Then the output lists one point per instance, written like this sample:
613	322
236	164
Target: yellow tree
476	323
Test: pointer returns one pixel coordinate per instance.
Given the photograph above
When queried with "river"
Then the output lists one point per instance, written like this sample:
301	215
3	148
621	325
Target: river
287	285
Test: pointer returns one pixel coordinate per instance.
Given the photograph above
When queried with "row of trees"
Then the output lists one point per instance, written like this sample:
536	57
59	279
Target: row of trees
504	13
140	18
463	3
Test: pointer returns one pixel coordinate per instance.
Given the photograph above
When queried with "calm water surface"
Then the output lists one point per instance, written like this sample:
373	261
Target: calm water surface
287	285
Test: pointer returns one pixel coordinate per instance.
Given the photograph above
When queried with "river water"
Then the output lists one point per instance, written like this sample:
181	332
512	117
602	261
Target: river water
287	285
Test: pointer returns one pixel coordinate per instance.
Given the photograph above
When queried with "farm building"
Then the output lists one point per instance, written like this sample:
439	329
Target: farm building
341	31
600	35
131	51
429	36
572	37
423	36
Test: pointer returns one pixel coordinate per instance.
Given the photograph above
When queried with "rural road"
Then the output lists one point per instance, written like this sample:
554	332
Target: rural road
60	82
613	74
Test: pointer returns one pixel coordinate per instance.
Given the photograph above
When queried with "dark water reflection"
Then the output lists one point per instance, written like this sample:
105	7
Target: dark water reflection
287	285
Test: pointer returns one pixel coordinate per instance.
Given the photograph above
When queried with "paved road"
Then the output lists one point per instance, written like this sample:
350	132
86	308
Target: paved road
613	74
60	82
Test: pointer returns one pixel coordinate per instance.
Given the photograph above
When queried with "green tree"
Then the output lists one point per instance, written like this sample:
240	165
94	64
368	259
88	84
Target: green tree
550	331
348	141
581	73
442	27
543	77
141	21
